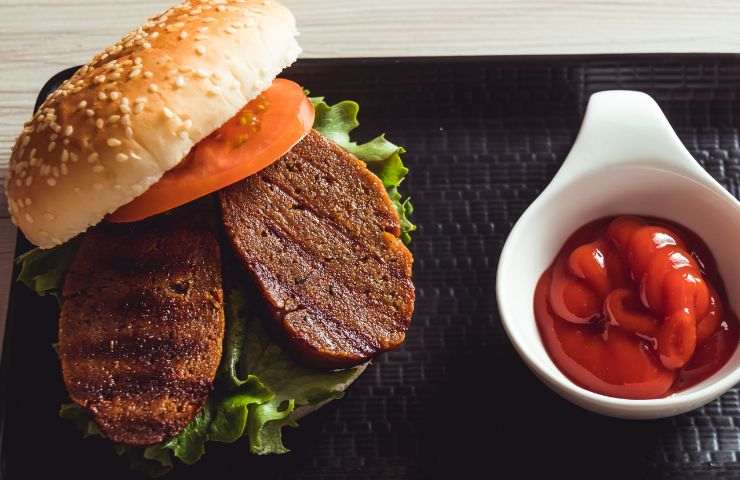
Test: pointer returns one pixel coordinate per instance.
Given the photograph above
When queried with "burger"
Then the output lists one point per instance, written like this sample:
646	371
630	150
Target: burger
226	259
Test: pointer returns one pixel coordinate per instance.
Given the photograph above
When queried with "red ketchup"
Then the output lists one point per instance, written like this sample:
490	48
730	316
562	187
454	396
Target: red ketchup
635	308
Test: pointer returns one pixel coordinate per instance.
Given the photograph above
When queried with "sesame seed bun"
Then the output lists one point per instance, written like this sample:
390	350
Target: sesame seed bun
135	111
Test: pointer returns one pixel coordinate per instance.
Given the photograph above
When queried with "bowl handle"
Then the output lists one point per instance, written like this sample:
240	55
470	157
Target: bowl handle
623	127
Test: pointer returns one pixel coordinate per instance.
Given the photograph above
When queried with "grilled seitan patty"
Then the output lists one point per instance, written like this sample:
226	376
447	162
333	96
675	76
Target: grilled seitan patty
142	325
319	235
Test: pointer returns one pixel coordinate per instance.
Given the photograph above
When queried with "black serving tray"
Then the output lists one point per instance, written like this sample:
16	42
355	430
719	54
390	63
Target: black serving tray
484	137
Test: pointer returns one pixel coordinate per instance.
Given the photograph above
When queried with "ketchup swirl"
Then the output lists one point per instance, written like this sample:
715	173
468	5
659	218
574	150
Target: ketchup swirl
631	309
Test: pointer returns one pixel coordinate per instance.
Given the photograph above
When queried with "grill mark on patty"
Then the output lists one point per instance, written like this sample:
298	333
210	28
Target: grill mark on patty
140	386
150	350
358	300
337	229
359	341
302	156
356	244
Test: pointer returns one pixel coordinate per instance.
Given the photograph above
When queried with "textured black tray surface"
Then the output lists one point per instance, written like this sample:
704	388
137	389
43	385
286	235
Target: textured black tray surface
484	137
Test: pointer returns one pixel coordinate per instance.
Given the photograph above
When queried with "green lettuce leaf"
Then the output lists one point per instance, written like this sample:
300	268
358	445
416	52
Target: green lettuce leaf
154	461
79	417
43	271
293	385
382	157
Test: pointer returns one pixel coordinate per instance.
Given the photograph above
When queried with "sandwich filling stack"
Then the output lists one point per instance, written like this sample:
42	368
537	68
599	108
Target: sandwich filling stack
226	259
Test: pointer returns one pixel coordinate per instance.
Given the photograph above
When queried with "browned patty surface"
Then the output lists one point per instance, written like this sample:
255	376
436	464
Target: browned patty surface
320	236
142	325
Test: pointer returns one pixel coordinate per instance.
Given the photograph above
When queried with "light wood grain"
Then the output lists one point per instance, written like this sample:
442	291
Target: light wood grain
40	37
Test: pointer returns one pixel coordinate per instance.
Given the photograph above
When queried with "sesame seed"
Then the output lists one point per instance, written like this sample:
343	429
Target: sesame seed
73	156
122	157
180	82
138	61
28	201
90	112
51	181
98	168
129	132
148	74
134	73
125	108
48	216
134	156
200	50
52	146
183	35
68	130
153	88
93	157
200	38
115	95
29	218
188	124
138	108
65	155
114	119
154	35
82	105
115	76
99	123
221	8
114	142
55	171
64	168
99	79
168	113
102	96
29	181
202	73
126	119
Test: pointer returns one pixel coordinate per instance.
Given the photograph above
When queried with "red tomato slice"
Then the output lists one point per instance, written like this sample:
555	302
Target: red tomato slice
265	130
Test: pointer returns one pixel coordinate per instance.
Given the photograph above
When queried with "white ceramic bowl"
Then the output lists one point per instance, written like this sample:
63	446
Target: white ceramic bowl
626	160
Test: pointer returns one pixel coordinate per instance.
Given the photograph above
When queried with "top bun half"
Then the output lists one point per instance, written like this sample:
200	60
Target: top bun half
135	111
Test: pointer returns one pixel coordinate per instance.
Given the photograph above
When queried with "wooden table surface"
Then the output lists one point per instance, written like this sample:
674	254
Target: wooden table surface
40	37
